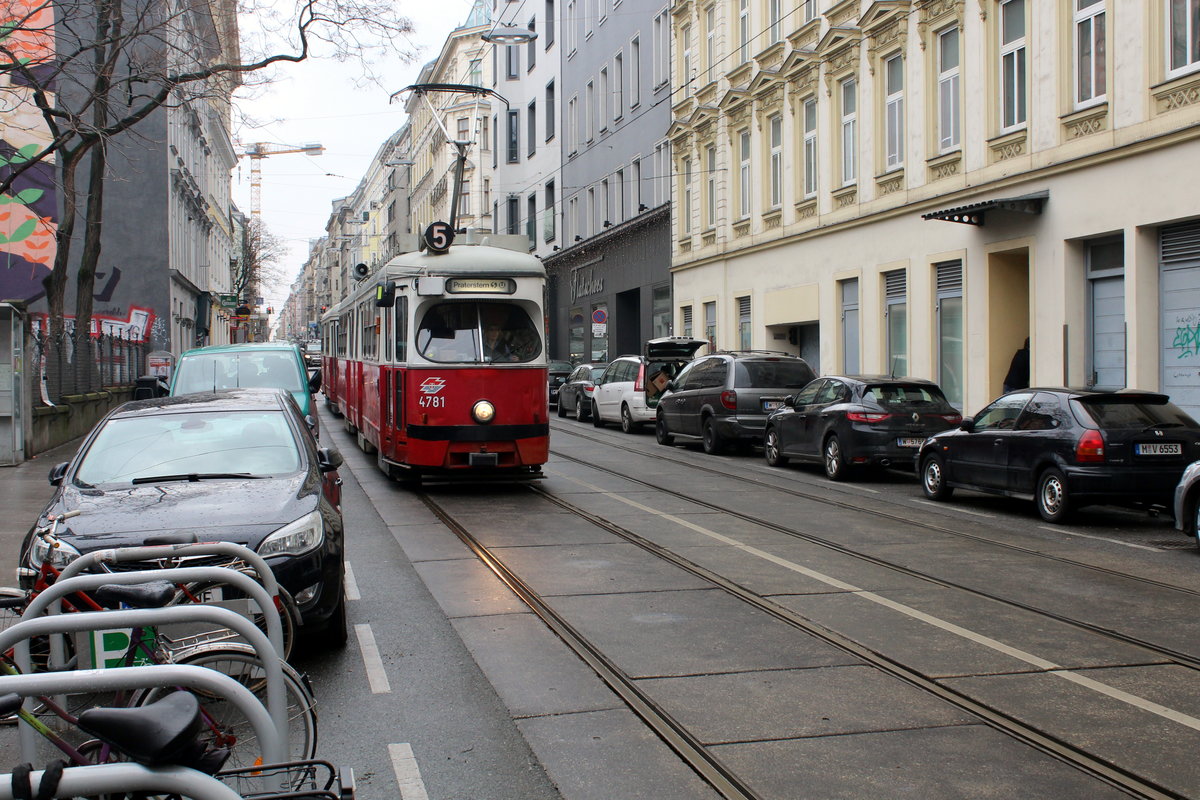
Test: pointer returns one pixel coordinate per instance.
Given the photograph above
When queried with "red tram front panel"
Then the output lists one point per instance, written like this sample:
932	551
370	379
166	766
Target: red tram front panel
437	428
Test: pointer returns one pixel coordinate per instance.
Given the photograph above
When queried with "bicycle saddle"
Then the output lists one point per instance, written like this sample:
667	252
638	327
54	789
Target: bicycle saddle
154	594
162	733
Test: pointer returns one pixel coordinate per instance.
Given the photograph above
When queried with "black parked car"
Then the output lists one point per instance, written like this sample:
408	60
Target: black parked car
845	421
724	398
559	370
575	395
1066	448
236	465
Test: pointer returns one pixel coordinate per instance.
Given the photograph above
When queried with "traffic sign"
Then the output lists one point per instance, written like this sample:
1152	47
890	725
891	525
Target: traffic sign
599	316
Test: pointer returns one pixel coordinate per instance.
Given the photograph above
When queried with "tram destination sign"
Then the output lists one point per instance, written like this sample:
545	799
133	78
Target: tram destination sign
481	285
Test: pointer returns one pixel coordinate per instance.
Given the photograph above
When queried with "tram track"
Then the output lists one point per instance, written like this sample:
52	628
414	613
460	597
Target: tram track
687	745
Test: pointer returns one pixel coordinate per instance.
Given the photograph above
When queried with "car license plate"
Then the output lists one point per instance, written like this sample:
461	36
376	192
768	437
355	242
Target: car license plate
1158	449
910	441
771	405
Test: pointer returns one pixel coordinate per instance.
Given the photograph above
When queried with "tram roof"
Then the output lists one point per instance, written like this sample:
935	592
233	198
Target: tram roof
466	259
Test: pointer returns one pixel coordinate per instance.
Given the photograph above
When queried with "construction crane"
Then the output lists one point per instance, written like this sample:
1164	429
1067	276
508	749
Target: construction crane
256	153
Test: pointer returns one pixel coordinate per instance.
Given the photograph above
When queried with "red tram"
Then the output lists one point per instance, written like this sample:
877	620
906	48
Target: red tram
438	362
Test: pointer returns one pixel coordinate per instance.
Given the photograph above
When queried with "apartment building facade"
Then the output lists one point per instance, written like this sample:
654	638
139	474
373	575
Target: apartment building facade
917	186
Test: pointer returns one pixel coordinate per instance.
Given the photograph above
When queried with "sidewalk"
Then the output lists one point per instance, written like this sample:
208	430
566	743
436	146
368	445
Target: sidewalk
25	491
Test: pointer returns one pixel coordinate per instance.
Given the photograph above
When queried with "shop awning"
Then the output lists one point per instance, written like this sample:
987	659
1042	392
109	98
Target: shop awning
975	213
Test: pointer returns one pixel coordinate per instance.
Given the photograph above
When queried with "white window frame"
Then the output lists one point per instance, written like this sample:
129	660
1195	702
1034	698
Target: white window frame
743	31
774	17
808	11
710	43
710	181
618	85
589	104
1090	22
635	72
1182	11
662	49
573	124
1014	70
949	87
686	59
893	116
848	103
635	201
775	131
744	173
687	196
602	100
809	110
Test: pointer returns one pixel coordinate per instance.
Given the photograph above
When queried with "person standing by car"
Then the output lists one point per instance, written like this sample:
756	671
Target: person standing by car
1018	370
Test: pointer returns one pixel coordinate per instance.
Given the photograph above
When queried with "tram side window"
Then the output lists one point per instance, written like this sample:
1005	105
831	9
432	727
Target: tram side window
401	328
370	333
483	332
342	327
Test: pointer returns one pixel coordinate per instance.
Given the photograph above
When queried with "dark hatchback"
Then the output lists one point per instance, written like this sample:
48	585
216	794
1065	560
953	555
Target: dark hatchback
558	372
846	421
236	465
725	398
575	395
1066	448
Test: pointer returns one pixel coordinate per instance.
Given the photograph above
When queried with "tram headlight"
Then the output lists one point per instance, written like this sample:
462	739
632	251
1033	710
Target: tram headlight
483	412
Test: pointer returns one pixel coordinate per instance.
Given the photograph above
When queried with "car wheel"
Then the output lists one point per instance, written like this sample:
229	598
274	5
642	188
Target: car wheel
836	468
713	443
933	479
580	409
599	423
627	423
1053	503
661	433
562	411
771	450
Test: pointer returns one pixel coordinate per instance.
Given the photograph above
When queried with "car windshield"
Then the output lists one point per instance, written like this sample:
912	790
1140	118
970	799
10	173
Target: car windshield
1118	413
892	394
772	374
206	372
484	332
253	443
561	366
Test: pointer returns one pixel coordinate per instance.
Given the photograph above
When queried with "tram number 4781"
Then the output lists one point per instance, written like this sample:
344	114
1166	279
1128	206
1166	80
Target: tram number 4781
433	401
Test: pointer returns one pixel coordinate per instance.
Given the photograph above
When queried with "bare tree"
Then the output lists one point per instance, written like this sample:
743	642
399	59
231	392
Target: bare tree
261	254
75	74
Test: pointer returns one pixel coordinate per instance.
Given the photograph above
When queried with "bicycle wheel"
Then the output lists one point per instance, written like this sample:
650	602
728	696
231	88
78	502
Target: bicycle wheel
224	724
225	595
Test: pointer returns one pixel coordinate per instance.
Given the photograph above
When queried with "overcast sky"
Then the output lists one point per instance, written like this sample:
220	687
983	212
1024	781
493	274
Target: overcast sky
317	101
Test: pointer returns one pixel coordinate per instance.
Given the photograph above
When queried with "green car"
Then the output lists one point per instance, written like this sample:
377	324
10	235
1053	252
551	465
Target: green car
271	365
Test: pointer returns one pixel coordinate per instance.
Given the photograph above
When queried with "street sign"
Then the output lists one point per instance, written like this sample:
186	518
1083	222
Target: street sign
599	316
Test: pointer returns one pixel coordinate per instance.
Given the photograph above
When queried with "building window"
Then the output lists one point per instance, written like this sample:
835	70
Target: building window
475	72
531	124
512	60
849	292
602	101
464	201
1013	95
575	333
464	129
601	11
549	19
776	127
896	314
531	220
618	86
685	212
595	209
710	183
662	172
685	49
1183	36
635	201
685	321
550	111
573	125
569	24
549	216
660	311
743	174
1091	78
744	328
605	204
589	103
514	136
484	141
949	310
948	90
1105	261
662	49
743	31
487	193
808	11
849	95
573	217
531	47
710	44
635	72
893	69
710	325
619	196
513	211
810	147
774	14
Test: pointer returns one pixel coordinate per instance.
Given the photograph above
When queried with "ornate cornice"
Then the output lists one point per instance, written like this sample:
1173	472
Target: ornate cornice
842	13
938	13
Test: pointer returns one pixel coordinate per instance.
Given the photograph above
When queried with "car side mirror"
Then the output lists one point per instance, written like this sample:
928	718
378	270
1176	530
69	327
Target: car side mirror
314	383
673	386
311	422
58	472
967	424
328	459
789	400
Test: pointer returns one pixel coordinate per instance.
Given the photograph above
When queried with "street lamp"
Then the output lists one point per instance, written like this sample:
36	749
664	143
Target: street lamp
509	34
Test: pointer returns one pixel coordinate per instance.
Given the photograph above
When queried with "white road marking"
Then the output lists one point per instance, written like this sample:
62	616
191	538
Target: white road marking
376	674
408	774
908	611
1099	538
958	509
351	584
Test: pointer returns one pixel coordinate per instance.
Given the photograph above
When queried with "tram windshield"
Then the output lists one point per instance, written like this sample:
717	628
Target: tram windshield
474	333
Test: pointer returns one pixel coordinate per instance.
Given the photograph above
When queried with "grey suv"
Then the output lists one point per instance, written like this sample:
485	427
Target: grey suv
724	398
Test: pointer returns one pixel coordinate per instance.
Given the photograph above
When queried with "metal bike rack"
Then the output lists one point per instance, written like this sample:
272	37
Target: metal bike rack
124	555
18	635
50	597
157	675
120	778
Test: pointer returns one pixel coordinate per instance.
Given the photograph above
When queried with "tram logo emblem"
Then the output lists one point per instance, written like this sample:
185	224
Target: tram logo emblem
432	385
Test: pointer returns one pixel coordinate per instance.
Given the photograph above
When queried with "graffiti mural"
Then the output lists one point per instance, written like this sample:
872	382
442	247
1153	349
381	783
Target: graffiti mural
136	325
28	212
